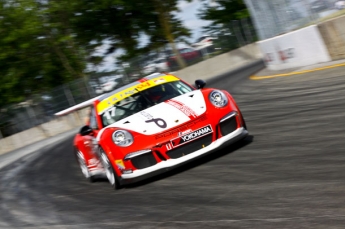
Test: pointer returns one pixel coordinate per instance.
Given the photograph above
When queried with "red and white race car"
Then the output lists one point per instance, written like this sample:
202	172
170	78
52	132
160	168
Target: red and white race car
153	124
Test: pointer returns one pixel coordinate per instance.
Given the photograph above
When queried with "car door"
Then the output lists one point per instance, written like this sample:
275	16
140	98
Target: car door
95	127
88	143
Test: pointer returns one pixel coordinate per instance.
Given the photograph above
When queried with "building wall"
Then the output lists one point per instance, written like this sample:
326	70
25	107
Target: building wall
333	34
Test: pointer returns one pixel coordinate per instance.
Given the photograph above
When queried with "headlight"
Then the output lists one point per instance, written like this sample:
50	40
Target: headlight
122	138
218	98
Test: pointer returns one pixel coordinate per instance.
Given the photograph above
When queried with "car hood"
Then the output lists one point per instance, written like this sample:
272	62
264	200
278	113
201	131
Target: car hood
165	115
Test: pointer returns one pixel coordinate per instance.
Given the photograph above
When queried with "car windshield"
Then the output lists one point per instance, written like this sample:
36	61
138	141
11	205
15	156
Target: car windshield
142	100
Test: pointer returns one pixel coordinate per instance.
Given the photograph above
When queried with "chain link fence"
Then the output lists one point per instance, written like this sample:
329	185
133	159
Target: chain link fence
274	17
235	34
40	108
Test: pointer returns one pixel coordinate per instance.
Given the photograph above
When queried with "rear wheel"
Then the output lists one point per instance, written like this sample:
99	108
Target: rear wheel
109	170
83	166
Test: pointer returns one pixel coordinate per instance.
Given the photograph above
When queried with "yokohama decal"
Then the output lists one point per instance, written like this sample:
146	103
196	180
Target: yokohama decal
191	136
182	107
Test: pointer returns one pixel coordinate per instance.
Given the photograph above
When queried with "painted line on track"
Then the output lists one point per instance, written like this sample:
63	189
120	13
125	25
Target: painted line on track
295	73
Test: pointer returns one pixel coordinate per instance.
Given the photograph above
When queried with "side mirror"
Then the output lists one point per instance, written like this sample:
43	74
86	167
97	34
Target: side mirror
85	130
200	84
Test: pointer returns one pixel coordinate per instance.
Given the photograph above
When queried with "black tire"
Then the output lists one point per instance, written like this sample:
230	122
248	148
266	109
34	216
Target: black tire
82	164
109	170
244	123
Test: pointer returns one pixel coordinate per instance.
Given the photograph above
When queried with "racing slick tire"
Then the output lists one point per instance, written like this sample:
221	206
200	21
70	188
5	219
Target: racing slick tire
244	123
109	170
83	166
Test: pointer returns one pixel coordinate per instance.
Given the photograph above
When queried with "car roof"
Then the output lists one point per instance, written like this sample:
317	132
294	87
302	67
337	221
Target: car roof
137	82
108	100
105	98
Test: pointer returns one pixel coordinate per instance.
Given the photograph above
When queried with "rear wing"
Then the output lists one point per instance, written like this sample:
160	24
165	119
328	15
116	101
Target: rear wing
77	107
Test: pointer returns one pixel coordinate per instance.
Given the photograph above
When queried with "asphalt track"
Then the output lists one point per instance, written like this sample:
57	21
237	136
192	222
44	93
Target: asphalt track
289	173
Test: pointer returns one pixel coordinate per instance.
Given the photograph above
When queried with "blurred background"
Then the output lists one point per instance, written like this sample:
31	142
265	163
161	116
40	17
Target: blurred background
276	17
57	54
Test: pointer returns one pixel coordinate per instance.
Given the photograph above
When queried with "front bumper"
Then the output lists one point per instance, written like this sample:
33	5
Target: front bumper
164	166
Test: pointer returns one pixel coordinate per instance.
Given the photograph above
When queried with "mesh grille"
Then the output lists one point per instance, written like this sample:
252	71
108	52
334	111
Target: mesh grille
144	161
228	126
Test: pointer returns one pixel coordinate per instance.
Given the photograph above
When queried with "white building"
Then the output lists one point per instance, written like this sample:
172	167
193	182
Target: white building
274	17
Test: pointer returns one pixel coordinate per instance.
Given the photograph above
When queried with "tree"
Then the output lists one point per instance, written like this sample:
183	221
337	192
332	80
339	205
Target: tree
122	22
222	12
48	43
35	54
169	24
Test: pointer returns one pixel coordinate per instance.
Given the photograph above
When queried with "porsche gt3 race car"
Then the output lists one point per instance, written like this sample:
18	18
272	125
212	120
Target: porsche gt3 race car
154	124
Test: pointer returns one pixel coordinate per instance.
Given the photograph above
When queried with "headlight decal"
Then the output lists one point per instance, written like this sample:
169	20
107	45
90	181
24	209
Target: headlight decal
218	98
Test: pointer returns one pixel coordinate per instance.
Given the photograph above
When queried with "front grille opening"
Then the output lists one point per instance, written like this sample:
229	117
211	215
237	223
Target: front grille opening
190	147
228	126
217	131
144	161
160	156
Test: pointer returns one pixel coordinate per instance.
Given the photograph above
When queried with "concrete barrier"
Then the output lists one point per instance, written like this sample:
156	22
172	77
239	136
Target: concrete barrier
43	131
299	48
247	58
221	64
333	34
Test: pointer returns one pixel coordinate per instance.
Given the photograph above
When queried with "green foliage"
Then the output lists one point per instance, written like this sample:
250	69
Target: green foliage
36	50
223	11
122	22
47	43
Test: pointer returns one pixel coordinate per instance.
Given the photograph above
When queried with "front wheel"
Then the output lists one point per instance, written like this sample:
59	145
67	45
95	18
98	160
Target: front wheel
83	166
109	170
244	123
